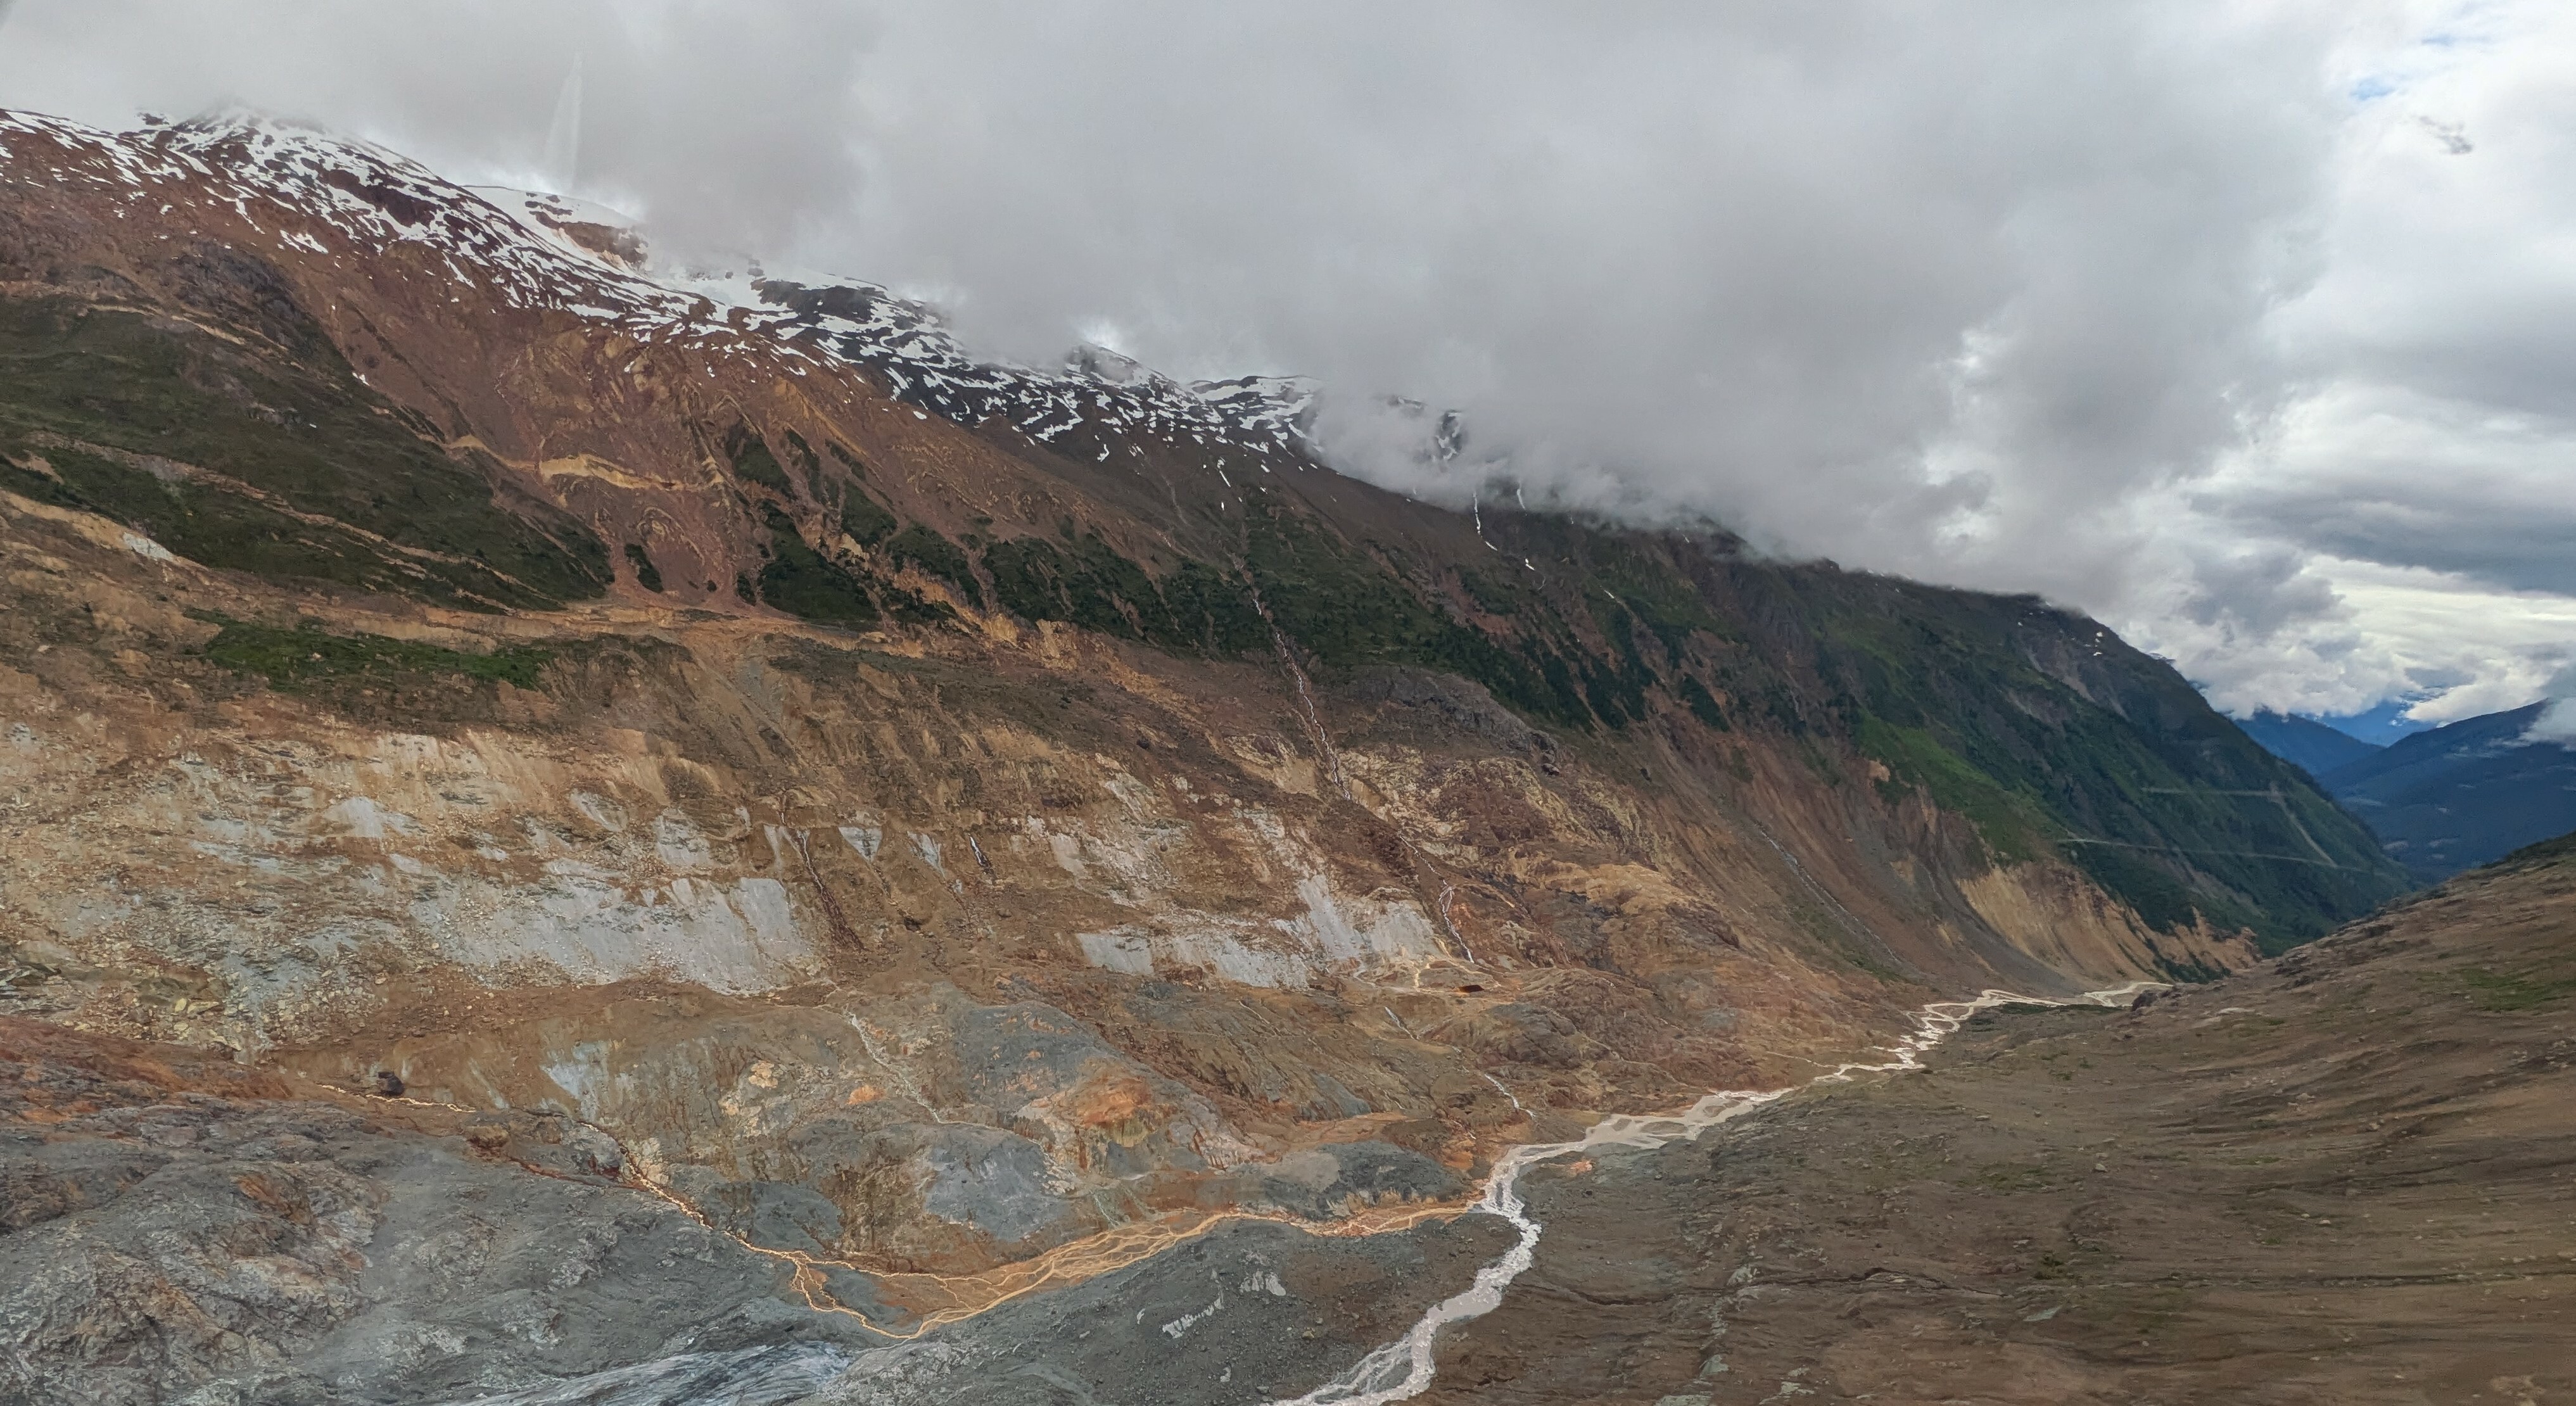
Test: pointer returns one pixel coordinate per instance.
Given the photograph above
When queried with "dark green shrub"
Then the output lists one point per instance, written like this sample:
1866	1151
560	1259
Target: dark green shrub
753	461
646	574
805	583
293	659
935	556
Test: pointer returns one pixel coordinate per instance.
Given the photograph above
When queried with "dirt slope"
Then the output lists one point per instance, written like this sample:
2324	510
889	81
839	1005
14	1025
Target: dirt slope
2347	1177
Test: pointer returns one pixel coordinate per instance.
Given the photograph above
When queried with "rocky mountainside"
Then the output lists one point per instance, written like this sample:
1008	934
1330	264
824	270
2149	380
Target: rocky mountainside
948	829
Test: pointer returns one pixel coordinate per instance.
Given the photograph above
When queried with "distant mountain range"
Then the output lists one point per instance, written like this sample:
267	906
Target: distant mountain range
2306	743
2445	800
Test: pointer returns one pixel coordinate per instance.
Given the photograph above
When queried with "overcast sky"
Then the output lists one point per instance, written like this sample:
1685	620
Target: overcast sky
2250	328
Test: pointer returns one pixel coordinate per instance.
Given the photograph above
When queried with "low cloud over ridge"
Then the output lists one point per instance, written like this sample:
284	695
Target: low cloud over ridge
2243	327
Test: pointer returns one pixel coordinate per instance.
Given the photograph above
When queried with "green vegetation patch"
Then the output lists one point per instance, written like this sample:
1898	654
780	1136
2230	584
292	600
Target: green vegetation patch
1498	592
1617	687
849	457
935	556
1341	605
1346	608
210	523
2010	824
1212	612
1665	603
2497	991
2050	733
1702	704
1197	609
646	574
1529	678
1086	583
2532	856
806	584
865	519
752	459
157	395
294	659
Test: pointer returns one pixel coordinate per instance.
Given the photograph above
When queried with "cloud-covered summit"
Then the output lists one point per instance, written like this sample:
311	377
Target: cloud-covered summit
2244	327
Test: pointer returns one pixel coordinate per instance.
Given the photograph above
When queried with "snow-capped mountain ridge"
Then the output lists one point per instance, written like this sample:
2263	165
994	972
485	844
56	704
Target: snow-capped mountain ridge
316	189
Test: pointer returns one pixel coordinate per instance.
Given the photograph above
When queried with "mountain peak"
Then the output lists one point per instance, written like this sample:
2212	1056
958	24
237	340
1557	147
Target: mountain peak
2304	742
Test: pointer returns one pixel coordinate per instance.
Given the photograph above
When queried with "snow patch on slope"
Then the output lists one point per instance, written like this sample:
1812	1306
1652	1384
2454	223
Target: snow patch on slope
333	196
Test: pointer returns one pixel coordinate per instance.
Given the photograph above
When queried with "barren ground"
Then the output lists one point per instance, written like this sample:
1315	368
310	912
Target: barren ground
2347	1177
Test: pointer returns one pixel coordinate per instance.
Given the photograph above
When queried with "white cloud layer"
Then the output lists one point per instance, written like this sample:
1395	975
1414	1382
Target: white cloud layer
2250	328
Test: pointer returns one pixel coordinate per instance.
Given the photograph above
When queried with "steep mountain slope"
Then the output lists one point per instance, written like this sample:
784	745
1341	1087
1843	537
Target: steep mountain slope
966	826
2464	793
2343	1178
2306	743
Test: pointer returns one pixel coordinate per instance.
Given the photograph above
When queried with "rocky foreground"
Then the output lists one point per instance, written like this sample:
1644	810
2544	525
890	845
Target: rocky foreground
2347	1177
176	1228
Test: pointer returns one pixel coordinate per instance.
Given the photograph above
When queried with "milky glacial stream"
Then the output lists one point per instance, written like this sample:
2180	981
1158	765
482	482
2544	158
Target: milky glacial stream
797	1372
1403	1368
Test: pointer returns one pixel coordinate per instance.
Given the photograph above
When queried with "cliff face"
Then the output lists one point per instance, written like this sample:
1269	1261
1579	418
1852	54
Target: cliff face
968	824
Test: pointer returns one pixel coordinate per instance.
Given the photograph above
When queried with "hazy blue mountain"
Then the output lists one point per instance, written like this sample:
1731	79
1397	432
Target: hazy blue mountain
2381	724
2460	795
2306	743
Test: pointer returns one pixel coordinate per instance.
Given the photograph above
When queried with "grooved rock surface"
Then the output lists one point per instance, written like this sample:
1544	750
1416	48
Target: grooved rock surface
175	1228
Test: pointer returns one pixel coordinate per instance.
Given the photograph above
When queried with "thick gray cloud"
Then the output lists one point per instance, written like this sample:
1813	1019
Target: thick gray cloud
2424	466
2245	327
725	129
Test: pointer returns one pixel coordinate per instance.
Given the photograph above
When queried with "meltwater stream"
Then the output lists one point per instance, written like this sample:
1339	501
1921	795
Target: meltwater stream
1403	1368
789	1373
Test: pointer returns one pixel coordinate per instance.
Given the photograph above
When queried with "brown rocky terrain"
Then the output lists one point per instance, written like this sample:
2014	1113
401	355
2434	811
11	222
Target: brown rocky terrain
2349	1176
174	1227
954	830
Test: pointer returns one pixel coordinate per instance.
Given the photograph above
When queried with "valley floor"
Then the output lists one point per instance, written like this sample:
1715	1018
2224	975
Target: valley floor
2348	1177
